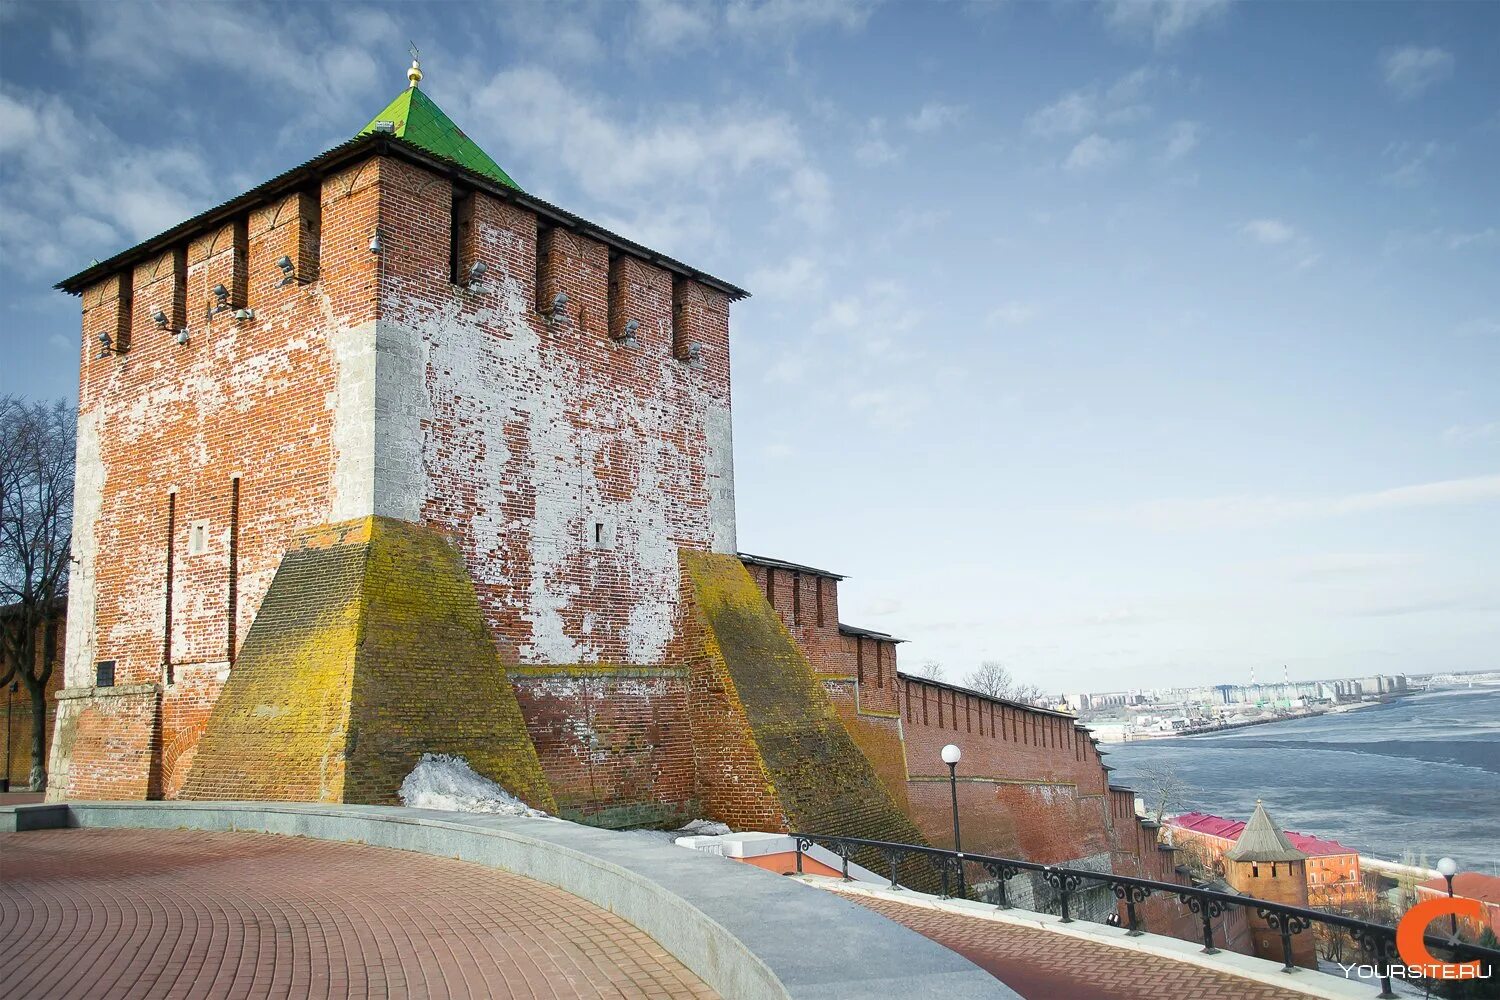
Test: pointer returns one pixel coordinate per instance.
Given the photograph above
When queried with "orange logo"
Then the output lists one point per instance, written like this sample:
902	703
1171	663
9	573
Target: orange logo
1413	928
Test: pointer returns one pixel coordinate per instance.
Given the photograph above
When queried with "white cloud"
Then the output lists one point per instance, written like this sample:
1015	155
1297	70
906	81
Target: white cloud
1344	565
1163	21
667	164
1461	434
887	409
874	150
1269	231
795	278
1011	314
787	370
1412	70
910	221
1480	237
1094	152
778	451
878	306
1131	87
879	607
1247	511
1182	139
782	18
1480	327
330	70
934	116
534	109
666	24
1089	108
672	228
75	190
1068	115
1412	161
808	194
1429	240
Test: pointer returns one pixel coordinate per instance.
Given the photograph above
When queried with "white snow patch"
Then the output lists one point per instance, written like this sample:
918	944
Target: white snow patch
704	828
444	781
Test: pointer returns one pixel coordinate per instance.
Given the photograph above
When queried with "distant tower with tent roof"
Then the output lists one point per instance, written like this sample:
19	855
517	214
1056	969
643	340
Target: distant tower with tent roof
1264	864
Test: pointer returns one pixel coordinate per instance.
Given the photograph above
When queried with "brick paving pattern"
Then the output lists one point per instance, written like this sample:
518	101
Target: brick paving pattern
173	913
1040	964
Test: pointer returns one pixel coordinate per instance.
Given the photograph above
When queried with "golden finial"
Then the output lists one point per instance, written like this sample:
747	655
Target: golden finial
415	73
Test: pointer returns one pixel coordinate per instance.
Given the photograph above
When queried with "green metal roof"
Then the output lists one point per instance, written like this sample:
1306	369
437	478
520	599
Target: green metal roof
415	118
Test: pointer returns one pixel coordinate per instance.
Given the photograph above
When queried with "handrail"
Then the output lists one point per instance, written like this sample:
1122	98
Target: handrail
1378	939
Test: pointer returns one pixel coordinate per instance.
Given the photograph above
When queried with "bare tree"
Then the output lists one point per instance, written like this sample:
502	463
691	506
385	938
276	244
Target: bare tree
1162	785
931	669
1202	861
36	525
993	678
1364	902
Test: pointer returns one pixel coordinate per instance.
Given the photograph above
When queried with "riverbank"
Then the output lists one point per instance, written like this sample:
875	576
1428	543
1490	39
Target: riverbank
1110	733
1408	781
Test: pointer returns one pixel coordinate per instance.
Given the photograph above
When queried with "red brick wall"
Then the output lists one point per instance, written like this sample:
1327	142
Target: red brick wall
730	778
615	742
174	425
107	746
1030	781
1281	882
536	431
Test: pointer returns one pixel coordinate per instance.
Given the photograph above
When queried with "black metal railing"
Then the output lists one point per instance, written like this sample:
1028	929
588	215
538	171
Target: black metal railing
1378	941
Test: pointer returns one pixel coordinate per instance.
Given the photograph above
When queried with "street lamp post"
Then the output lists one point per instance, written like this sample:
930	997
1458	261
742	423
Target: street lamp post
951	755
1448	868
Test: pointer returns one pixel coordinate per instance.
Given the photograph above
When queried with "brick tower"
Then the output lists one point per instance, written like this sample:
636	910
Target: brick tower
393	330
1264	864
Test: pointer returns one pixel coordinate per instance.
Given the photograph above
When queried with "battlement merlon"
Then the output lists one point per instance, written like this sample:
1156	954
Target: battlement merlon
379	144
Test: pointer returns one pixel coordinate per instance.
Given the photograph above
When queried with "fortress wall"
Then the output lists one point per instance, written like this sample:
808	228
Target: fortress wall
614	741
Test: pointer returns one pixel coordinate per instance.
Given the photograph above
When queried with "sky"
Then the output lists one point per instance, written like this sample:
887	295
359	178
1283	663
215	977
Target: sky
1131	344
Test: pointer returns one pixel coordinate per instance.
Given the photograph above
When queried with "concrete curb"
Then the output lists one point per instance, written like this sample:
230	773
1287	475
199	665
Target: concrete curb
746	932
1228	963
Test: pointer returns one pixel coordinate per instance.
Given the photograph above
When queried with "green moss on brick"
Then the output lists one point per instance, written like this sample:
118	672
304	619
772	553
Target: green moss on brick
821	780
368	650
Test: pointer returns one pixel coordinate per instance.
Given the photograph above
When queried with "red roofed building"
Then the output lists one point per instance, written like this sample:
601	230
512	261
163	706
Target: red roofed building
1333	873
1468	885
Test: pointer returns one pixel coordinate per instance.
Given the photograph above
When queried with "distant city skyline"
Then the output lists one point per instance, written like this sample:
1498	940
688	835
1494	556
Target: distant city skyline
1107	341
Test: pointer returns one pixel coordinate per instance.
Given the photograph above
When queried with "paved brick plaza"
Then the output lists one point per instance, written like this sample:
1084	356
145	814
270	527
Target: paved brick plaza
1038	963
106	913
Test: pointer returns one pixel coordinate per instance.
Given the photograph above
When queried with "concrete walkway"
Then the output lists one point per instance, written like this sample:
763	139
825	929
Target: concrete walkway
156	913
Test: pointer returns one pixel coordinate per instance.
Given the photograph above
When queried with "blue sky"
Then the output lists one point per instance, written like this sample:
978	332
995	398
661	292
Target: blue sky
1130	344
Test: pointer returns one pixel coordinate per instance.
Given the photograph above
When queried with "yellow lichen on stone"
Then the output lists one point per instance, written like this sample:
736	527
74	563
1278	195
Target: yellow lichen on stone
814	770
369	650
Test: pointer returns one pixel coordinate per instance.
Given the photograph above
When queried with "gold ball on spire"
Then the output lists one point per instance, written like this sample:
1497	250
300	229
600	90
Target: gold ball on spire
415	73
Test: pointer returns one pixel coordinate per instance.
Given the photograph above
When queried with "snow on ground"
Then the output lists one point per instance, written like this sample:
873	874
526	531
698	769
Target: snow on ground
703	828
444	781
